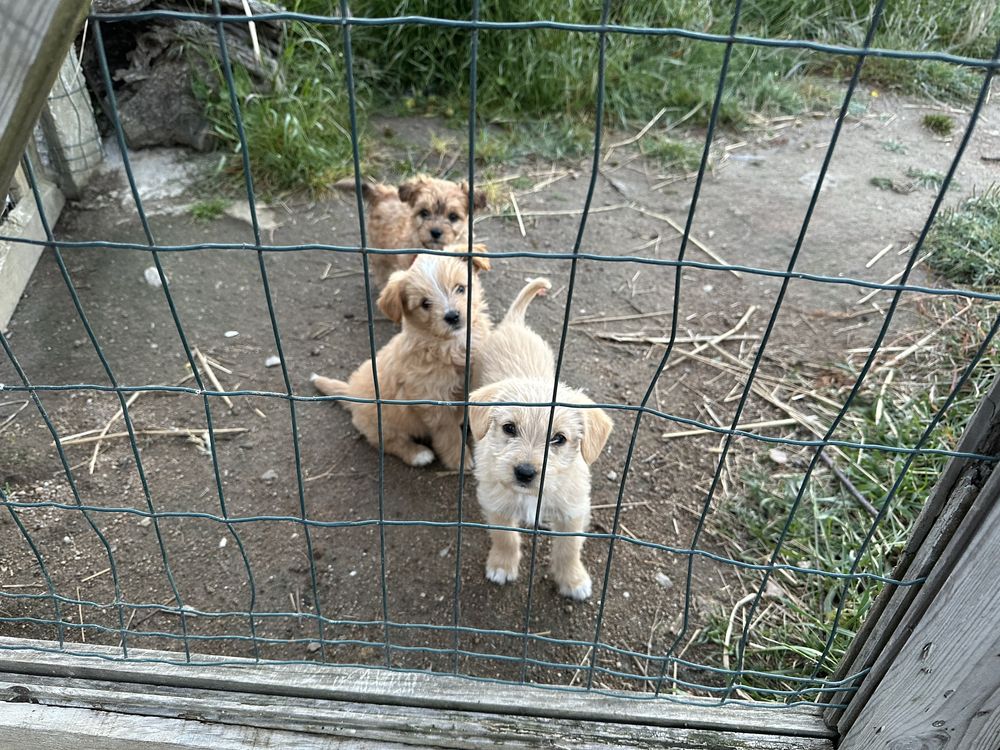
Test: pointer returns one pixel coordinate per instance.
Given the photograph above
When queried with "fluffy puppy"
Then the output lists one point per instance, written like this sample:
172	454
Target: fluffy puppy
518	366
422	212
426	360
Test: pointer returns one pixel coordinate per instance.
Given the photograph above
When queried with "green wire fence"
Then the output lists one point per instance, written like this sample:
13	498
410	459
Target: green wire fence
329	630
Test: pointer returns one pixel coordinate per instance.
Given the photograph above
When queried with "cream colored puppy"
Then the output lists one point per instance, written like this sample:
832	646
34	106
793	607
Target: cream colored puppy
424	361
518	366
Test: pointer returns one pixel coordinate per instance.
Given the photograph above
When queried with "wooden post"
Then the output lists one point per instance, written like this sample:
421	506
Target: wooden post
36	36
932	652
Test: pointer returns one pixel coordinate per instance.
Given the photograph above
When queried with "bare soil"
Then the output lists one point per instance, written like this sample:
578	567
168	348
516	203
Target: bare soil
750	213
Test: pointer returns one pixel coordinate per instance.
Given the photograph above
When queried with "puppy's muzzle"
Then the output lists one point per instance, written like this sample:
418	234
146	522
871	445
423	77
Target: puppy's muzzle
436	234
452	318
524	473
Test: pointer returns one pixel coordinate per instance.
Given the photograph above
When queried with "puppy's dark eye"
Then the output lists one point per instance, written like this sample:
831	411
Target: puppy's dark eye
558	439
425	303
510	429
453	217
460	289
424	213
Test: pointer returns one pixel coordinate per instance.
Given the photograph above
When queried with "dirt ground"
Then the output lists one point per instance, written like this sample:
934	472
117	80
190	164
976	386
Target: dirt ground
750	213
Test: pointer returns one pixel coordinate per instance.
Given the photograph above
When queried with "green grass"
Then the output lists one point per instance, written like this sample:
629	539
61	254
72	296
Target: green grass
938	124
829	526
894	147
539	84
927	178
209	209
965	241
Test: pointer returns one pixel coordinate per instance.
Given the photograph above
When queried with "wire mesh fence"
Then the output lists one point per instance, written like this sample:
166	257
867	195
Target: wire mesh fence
339	623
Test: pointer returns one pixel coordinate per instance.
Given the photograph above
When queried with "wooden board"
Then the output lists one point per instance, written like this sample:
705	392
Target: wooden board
36	36
163	717
384	707
937	684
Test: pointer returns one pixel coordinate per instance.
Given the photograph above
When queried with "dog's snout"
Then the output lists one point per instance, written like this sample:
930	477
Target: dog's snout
524	473
452	317
436	233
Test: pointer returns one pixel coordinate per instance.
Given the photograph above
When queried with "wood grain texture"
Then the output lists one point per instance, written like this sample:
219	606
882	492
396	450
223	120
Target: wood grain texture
36	35
397	689
938	681
239	717
947	505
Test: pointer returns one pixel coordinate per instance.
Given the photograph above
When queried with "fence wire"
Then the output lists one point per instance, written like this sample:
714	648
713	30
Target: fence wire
656	679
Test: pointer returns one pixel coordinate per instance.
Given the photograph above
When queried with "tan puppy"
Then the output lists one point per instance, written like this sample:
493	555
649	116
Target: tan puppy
422	212
510	448
426	360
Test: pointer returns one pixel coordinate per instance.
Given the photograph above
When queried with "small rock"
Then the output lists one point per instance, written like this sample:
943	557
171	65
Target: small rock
612	476
223	542
313	646
273	361
146	522
353	573
626	595
152	277
269	476
67	540
314	352
445	551
664	580
231	334
778	456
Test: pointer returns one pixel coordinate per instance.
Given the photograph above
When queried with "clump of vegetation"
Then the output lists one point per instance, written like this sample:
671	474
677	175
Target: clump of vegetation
829	525
210	209
965	242
927	178
882	183
938	124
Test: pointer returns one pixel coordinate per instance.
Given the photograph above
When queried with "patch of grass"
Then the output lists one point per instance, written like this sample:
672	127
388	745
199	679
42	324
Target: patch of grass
927	178
829	526
882	183
966	241
672	154
296	123
209	209
894	147
938	124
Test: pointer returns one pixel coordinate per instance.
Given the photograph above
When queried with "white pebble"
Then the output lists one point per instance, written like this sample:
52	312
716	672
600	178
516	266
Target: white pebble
664	580
153	277
353	573
273	361
66	540
612	476
626	595
231	334
269	476
223	542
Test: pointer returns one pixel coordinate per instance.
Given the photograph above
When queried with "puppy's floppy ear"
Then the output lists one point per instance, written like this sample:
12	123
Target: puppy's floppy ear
409	190
480	263
392	299
479	416
478	197
597	425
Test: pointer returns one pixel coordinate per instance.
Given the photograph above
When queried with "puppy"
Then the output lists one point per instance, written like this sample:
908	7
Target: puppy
422	212
518	366
426	360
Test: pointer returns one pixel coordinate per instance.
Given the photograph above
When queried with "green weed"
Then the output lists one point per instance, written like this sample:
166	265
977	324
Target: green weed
938	124
965	242
209	209
926	178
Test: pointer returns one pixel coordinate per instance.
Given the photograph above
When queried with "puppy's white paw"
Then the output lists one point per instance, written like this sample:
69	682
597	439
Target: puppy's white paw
422	457
580	589
501	575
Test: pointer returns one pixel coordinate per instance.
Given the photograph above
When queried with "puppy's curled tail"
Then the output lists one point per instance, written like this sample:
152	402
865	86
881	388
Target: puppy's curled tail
372	192
329	386
534	288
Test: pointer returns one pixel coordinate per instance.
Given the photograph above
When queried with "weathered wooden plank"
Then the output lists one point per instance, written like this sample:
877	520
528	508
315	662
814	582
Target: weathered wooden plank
324	723
937	685
36	36
403	689
947	505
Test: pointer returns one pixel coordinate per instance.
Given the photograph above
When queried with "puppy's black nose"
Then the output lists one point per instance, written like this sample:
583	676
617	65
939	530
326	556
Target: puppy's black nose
452	317
524	473
436	233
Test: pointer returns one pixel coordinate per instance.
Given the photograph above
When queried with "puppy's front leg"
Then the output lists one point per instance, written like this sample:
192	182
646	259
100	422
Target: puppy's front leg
567	568
505	550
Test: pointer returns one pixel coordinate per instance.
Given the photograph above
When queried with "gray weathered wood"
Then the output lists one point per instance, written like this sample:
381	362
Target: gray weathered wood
36	35
324	723
946	507
937	683
17	260
403	689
